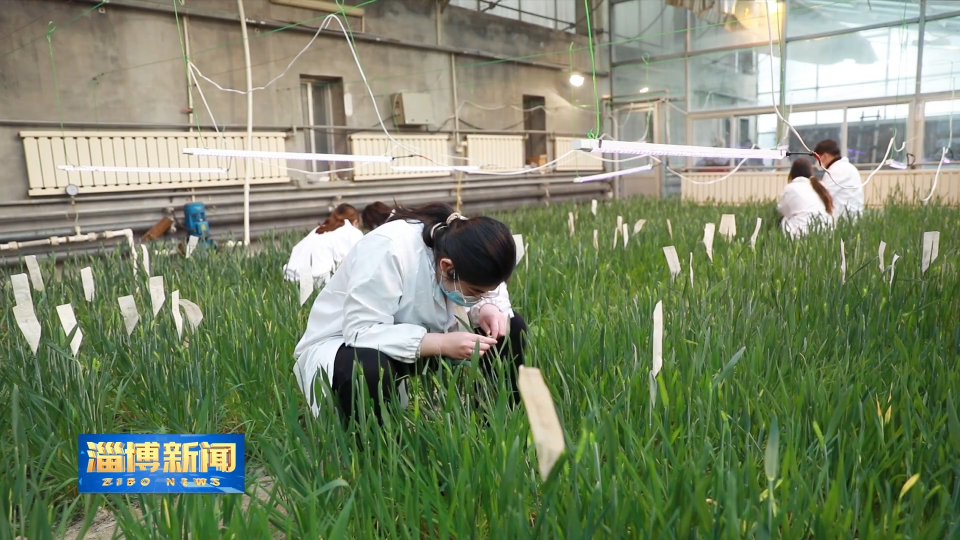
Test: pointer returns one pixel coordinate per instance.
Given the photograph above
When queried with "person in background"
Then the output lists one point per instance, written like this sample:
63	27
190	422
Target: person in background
842	180
391	309
805	202
374	215
327	245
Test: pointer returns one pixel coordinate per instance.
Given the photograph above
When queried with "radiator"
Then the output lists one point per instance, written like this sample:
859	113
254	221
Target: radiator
45	151
578	160
435	147
496	152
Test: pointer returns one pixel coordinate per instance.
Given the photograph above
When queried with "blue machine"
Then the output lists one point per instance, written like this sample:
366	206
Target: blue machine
195	221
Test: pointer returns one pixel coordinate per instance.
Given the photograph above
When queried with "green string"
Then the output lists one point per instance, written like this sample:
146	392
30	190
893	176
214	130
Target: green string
51	28
593	69
71	21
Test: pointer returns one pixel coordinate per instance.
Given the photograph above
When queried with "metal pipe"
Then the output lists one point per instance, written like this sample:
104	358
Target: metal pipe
456	102
186	49
57	240
249	141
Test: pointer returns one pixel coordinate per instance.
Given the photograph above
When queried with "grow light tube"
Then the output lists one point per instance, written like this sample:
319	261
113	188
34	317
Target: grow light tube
604	176
598	146
257	154
106	169
894	164
436	168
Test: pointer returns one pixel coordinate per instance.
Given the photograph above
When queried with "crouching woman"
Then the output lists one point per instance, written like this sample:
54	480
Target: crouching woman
391	308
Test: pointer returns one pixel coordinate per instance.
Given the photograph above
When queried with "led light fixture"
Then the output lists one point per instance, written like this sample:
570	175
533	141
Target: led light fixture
576	79
645	89
438	168
612	174
256	154
105	169
598	146
894	164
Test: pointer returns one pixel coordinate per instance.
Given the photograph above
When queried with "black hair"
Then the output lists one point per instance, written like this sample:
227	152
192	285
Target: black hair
374	215
828	146
481	248
803	168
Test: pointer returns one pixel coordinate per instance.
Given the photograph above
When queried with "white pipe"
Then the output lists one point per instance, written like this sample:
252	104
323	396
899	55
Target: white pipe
57	240
249	141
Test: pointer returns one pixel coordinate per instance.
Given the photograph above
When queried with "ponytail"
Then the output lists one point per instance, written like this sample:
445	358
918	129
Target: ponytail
823	193
340	215
481	248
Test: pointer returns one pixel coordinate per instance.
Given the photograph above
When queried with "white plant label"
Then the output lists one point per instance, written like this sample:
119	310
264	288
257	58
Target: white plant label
570	223
128	308
518	240
728	227
29	325
625	229
596	242
133	251
192	245
157	297
21	290
593	207
843	263
893	267
193	313
756	232
305	273
931	249
616	237
619	222
691	269
670	229
146	259
708	231
883	247
69	321
175	308
638	225
544	423
673	262
89	289
34	270
657	338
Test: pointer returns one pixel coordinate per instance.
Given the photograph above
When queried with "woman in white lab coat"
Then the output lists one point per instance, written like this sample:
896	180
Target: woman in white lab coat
326	246
842	180
805	203
390	309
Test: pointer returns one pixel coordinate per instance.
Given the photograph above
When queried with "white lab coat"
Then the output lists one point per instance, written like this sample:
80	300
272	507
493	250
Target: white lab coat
842	180
321	252
384	296
802	208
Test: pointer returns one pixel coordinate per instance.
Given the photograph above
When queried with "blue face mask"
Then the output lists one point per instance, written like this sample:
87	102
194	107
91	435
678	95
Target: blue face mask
459	299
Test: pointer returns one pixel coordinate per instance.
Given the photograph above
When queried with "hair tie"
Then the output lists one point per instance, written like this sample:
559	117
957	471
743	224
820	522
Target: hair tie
433	230
454	216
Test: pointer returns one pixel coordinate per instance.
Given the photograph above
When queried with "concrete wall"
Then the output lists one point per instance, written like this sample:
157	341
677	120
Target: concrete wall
122	63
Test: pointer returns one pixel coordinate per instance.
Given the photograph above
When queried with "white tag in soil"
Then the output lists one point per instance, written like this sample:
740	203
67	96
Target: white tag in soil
728	227
843	264
133	251
305	274
756	232
708	231
34	270
931	248
883	247
625	229
673	262
544	423
21	290
128	308
619	222
89	289
638	225
146	259
175	308
616	237
657	338
691	269
518	240
893	267
193	313
570	223
192	245
596	241
157	297
69	321
593	207
29	325
670	229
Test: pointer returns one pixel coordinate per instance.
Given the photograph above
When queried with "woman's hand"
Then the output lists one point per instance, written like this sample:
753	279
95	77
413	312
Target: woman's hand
455	345
492	321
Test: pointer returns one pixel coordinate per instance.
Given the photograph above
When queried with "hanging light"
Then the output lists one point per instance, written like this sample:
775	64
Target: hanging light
598	146
612	174
576	79
256	154
171	170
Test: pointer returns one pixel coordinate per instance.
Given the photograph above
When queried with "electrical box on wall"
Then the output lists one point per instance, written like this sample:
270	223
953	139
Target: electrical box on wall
413	109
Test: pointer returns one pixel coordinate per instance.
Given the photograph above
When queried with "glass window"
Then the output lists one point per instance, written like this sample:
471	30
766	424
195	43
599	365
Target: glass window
733	79
939	7
869	130
646	28
659	77
815	126
748	28
715	133
539	12
939	117
941	55
819	16
873	63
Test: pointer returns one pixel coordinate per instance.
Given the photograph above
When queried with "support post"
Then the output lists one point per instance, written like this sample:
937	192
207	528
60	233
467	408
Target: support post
249	140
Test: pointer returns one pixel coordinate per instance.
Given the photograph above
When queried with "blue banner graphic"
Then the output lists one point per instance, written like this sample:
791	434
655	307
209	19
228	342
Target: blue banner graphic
161	464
